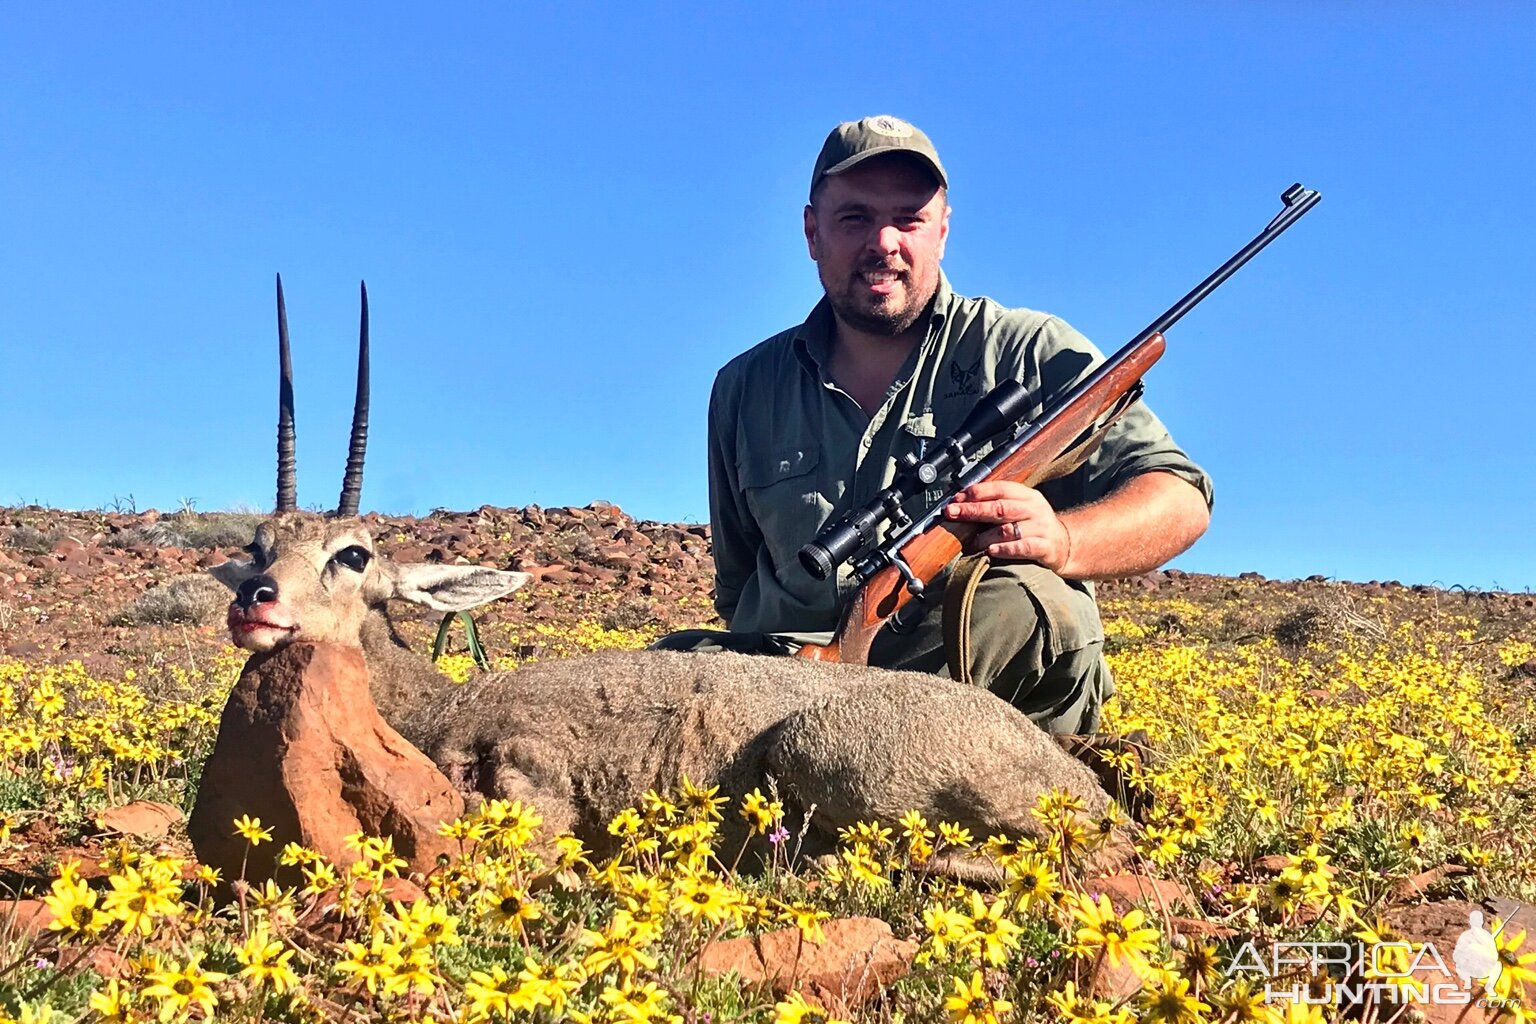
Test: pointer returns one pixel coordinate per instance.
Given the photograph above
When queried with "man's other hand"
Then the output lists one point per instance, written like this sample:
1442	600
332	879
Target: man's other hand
1024	526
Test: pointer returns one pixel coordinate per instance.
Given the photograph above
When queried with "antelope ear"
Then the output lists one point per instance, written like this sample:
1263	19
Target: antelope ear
233	572
452	588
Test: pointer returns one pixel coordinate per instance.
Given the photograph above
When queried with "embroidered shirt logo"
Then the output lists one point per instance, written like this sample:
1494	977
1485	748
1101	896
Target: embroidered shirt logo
966	381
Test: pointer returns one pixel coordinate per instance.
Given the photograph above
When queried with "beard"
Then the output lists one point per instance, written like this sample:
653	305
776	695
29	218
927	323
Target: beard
887	316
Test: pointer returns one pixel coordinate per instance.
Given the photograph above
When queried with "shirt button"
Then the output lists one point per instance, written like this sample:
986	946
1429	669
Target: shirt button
868	441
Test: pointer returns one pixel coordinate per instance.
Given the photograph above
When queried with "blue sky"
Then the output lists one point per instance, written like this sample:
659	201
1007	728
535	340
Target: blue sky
570	216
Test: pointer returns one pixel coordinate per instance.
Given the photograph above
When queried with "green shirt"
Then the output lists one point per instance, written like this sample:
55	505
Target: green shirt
790	451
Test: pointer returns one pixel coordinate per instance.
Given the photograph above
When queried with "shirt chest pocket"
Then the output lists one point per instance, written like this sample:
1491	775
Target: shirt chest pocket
784	490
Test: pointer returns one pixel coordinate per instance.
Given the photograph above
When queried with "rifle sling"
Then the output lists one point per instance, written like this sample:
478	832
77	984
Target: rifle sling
967	571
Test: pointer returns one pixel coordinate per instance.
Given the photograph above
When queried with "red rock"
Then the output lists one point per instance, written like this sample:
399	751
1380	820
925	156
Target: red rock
1416	886
1200	927
146	819
24	917
858	959
1117	982
302	747
1131	890
1443	924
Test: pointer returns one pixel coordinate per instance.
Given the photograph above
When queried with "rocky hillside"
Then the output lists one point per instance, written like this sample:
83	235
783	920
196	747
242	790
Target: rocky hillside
111	588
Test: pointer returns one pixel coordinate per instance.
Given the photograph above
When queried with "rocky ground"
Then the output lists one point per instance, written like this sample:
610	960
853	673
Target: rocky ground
120	592
74	584
94	585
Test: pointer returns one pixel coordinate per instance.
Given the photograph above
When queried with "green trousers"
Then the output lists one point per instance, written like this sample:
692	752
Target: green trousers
1036	642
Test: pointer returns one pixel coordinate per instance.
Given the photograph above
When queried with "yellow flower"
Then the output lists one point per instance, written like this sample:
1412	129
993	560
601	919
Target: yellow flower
73	904
795	1010
1119	938
265	961
759	812
618	947
251	829
494	994
953	835
1515	966
412	972
178	990
1166	999
699	802
1032	882
992	934
699	896
111	1002
626	823
510	906
138	900
805	917
319	878
424	923
971	1004
374	963
636	1002
1247	1003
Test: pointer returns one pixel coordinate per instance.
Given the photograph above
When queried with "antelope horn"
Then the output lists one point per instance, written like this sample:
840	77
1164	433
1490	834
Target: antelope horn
352	481
287	489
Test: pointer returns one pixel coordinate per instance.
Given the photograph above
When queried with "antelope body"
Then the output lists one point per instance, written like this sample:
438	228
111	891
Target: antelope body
583	738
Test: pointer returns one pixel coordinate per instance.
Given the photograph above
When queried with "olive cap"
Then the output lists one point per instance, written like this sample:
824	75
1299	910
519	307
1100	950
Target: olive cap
853	142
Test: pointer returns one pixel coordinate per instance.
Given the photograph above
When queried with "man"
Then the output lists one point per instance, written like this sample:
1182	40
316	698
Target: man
812	422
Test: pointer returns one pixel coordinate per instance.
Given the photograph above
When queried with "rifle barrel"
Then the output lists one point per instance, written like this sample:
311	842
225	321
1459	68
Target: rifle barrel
1297	201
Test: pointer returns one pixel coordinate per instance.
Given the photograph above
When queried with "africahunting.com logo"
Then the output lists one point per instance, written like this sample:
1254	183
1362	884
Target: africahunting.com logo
1486	968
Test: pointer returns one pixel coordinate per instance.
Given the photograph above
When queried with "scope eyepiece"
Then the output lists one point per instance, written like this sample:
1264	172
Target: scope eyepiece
837	543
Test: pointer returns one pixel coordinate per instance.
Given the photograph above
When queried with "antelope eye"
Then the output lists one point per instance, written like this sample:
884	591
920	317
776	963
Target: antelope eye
354	558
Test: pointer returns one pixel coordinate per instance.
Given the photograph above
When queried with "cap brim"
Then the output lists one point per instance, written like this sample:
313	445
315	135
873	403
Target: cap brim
858	158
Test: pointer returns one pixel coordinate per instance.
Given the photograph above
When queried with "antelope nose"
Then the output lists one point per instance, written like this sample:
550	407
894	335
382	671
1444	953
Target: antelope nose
256	590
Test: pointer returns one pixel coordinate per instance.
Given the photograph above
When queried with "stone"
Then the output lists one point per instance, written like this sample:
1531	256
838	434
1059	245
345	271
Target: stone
1443	924
1129	890
24	917
1116	982
857	960
1415	886
302	747
1197	927
147	819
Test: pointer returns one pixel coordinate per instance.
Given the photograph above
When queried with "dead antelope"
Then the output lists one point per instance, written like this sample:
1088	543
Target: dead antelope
582	739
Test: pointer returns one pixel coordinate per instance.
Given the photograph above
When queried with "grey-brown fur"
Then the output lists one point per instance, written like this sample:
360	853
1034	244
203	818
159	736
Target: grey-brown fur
584	738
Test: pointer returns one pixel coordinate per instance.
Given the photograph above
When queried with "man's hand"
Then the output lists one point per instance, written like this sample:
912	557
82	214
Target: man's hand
1138	526
1025	526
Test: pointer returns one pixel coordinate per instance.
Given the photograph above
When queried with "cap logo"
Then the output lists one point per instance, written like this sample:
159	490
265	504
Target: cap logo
890	127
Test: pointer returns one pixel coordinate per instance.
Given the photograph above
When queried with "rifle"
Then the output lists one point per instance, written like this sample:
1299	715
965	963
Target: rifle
893	572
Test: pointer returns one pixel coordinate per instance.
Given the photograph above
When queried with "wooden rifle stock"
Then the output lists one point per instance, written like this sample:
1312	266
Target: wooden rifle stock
1060	446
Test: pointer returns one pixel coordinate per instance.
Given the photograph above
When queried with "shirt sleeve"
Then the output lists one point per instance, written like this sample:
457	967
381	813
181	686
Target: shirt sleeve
734	536
1138	442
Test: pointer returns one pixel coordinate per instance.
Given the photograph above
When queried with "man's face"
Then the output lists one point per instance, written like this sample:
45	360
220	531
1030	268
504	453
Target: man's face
877	234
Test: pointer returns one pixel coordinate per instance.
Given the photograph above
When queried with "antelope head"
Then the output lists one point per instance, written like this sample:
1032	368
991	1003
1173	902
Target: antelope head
316	577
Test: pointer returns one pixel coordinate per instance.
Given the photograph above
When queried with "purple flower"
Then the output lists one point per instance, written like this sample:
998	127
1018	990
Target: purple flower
778	835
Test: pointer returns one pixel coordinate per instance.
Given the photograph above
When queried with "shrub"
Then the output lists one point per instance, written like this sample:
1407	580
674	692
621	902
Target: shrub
194	599
29	540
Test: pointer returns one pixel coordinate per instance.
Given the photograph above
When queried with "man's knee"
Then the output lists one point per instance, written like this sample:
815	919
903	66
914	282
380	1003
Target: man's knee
1054	671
